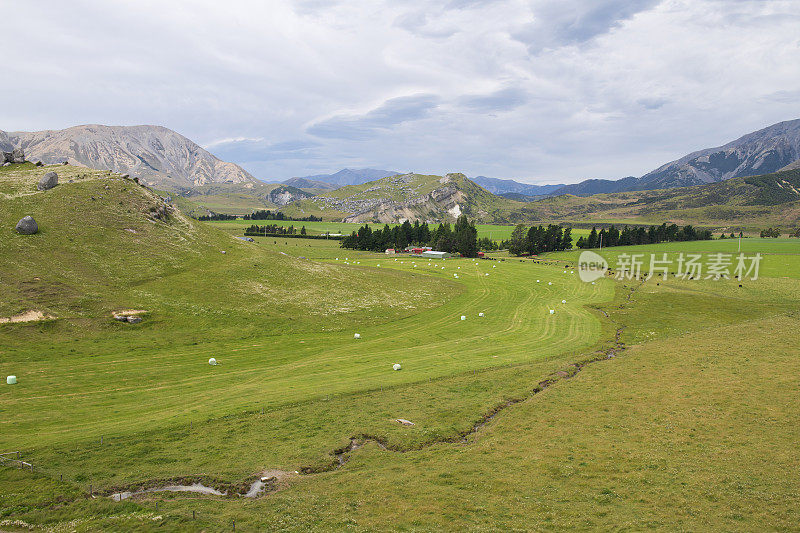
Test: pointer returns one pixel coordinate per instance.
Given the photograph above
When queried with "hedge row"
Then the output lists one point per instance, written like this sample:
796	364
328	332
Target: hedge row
295	236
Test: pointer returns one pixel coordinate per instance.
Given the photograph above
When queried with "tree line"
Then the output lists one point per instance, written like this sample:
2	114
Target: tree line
538	239
652	235
216	216
273	229
459	239
771	232
266	214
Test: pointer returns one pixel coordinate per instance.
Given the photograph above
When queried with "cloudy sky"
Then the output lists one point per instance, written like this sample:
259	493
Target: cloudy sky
535	90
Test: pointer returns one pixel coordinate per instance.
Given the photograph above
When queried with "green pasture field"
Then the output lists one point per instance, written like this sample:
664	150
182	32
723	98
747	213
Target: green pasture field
780	257
686	420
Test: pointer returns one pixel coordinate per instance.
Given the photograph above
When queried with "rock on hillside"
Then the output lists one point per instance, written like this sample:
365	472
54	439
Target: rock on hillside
284	195
156	155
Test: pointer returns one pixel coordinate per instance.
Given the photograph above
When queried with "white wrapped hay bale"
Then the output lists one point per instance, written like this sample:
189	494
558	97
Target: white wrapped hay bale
463	317
480	314
11	380
563	301
396	366
357	336
212	362
552	311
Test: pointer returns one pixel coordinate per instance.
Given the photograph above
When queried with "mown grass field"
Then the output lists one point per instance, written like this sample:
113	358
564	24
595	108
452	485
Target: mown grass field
780	257
691	425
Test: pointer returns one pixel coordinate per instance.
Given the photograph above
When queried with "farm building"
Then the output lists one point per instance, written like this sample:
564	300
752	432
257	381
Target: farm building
418	249
435	255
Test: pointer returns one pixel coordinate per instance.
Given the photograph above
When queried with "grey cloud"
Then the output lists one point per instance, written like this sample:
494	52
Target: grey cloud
261	150
567	22
652	103
784	97
417	23
502	100
391	113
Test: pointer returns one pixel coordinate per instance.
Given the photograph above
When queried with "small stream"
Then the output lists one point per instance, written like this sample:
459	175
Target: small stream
256	489
195	487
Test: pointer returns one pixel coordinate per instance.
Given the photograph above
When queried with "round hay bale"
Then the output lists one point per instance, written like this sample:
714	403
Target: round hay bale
480	314
357	336
463	317
11	380
552	311
563	301
212	362
396	366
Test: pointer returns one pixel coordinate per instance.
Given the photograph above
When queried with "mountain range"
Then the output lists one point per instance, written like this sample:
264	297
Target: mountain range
501	187
158	156
165	159
346	176
764	151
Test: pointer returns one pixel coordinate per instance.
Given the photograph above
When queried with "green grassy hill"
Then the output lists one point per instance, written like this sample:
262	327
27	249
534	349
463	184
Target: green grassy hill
748	204
407	196
227	198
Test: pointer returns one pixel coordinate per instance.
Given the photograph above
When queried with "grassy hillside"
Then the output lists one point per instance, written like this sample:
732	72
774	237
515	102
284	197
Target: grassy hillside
227	198
408	196
745	204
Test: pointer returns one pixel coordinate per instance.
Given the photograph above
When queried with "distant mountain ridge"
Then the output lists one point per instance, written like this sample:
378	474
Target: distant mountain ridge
502	186
346	176
307	183
761	152
157	155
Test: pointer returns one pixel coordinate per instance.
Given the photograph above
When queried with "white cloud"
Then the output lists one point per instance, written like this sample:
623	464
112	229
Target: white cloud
528	89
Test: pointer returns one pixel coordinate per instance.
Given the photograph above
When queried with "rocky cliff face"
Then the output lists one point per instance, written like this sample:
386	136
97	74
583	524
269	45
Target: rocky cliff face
156	155
284	195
